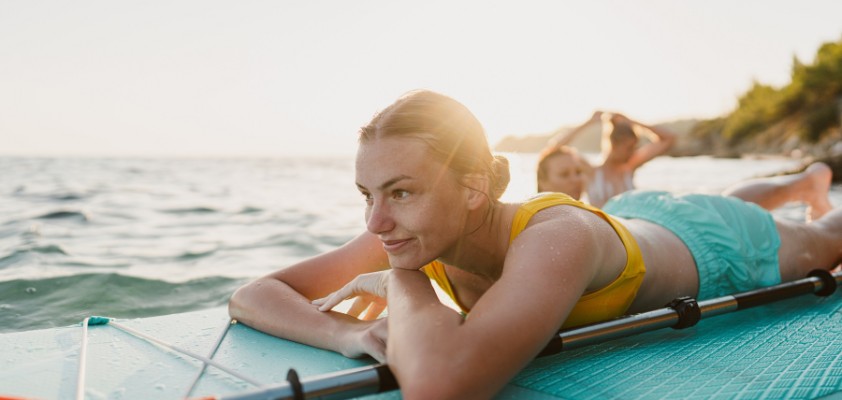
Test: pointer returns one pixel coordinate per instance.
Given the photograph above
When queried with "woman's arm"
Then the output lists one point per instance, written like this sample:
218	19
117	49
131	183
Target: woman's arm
660	141
434	353
563	139
280	303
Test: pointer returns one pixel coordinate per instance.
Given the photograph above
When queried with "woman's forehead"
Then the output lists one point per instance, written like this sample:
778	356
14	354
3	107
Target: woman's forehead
382	158
562	160
382	149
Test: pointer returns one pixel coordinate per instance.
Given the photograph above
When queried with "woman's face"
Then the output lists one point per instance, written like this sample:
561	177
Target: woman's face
413	202
563	174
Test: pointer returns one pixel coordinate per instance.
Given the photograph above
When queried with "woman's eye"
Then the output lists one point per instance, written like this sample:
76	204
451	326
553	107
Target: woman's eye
367	197
400	194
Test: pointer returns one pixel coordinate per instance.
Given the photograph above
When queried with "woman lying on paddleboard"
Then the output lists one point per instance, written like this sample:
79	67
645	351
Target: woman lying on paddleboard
521	271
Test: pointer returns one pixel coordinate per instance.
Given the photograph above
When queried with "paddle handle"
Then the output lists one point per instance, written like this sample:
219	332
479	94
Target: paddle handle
819	282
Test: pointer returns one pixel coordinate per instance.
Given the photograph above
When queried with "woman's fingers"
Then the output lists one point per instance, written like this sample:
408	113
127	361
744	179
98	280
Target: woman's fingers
359	305
367	288
379	354
375	308
327	303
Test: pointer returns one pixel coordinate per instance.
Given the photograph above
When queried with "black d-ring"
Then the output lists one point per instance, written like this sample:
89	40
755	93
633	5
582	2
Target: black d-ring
688	311
828	282
295	384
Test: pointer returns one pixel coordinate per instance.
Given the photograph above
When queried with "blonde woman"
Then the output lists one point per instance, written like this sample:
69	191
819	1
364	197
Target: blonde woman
430	189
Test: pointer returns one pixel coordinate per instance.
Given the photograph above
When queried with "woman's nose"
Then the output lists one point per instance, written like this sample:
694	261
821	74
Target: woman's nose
378	219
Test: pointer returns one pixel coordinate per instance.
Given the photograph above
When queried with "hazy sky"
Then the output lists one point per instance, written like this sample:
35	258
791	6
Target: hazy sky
269	78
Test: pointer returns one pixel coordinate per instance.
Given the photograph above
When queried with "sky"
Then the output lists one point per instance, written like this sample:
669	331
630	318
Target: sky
284	78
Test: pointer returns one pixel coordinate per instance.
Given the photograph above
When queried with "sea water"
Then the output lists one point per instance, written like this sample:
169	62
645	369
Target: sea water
137	237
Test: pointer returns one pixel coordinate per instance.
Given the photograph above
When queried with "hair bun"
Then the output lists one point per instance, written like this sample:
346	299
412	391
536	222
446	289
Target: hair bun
500	169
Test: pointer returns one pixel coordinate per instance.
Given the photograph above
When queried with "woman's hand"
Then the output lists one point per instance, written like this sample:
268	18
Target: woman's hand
370	340
369	294
368	291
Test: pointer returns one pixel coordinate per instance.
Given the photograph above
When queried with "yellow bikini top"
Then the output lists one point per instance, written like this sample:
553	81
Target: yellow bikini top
606	303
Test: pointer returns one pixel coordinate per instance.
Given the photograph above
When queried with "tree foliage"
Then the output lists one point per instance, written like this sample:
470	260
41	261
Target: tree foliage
813	95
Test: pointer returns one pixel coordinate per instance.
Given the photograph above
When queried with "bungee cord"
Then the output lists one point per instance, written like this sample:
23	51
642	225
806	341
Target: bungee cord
210	356
95	320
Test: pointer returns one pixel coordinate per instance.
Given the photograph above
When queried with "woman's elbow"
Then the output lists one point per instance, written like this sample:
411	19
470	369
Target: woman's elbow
440	379
446	389
239	304
426	389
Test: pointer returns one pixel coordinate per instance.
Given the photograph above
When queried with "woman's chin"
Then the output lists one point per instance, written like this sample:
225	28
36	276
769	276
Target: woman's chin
405	264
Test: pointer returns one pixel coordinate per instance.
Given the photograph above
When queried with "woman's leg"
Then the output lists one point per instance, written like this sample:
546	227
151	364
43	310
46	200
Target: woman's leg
805	247
810	186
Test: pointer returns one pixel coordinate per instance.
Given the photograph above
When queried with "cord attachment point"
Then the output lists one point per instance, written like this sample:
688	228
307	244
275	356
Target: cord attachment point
688	311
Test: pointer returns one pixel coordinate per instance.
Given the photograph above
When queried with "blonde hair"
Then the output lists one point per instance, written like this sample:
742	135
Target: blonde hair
453	134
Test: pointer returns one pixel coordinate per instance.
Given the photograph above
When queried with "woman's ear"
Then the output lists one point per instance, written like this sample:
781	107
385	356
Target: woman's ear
477	187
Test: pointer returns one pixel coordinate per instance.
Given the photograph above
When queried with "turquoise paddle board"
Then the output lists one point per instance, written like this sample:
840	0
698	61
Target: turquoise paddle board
790	349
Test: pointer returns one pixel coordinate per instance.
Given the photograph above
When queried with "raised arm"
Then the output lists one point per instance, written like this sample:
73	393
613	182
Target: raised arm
280	303
660	141
434	353
563	139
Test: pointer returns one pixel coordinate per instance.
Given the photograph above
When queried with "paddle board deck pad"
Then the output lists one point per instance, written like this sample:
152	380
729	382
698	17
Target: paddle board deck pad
789	349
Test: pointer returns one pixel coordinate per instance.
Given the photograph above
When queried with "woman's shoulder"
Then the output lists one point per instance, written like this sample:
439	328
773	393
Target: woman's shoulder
541	202
559	233
557	219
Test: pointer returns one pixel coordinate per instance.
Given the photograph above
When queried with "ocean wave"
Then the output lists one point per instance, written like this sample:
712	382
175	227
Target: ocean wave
66	300
65	214
195	254
55	194
298	243
18	254
190	210
92	264
67	197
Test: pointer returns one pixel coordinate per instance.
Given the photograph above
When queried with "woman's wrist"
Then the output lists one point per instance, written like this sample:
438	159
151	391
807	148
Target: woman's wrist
350	339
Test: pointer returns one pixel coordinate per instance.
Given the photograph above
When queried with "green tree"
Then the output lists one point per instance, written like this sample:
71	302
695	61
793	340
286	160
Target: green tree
812	95
756	110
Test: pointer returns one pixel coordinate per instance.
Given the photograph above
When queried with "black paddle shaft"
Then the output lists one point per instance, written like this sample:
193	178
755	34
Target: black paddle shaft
683	313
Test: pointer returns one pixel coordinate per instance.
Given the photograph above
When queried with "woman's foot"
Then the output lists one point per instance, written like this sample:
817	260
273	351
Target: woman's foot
818	177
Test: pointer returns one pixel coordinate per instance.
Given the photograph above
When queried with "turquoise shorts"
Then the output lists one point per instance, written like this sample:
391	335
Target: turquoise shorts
734	243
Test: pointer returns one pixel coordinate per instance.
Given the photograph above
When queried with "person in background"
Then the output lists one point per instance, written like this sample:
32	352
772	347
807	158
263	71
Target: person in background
562	169
621	155
520	271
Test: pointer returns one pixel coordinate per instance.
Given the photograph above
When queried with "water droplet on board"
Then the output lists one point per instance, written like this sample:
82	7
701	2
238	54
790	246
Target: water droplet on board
31	290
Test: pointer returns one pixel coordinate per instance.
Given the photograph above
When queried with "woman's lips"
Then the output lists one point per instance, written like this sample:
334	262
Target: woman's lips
392	246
